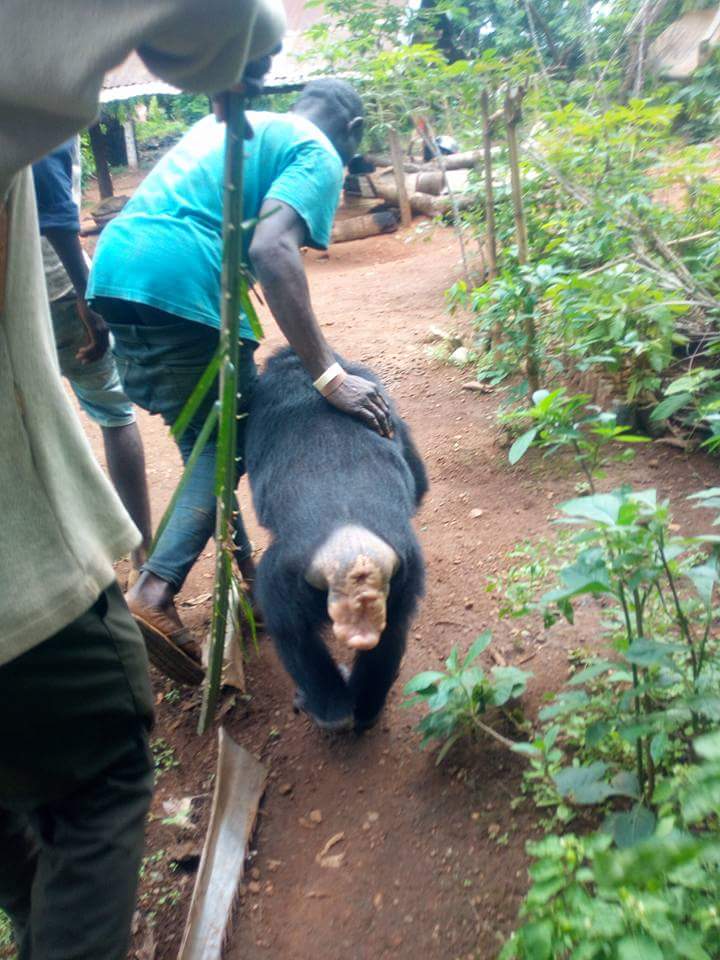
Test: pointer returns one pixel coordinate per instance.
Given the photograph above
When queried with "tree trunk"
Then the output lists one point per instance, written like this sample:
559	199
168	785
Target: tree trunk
397	162
102	170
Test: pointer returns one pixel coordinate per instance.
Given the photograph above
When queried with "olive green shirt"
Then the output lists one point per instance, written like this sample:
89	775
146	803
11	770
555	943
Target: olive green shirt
61	523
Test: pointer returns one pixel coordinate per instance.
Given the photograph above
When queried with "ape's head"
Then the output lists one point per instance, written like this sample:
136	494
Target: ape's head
335	107
355	567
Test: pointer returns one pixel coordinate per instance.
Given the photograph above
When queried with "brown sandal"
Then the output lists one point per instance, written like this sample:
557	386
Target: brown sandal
165	642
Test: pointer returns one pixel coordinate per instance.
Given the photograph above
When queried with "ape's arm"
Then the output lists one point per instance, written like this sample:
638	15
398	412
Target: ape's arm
276	260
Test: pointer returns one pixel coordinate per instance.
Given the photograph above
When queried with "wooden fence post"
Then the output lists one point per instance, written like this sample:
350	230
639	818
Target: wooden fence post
489	194
399	171
513	115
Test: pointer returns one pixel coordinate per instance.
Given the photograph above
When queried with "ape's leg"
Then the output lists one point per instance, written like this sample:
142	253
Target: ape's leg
375	671
294	616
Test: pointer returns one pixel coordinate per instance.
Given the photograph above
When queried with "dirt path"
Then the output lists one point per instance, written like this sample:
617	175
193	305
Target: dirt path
434	860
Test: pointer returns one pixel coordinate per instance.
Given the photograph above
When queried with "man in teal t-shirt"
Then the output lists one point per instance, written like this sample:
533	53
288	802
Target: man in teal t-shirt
156	280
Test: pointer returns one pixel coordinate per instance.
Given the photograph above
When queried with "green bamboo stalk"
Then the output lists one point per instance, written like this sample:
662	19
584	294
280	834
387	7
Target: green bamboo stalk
234	292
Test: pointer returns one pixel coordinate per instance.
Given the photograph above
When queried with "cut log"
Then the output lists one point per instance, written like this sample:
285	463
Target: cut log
422	202
369	225
430	181
457	161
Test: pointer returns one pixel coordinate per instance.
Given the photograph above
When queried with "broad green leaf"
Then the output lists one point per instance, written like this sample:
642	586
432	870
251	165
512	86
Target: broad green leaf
481	643
708	746
507	683
584	785
670	405
650	653
595	670
625	784
423	682
522	445
639	947
703	577
601	508
630	827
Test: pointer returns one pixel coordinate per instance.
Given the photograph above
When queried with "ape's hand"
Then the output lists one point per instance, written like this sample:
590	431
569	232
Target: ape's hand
362	399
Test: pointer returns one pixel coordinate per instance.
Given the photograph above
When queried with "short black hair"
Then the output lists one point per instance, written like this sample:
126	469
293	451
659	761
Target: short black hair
339	95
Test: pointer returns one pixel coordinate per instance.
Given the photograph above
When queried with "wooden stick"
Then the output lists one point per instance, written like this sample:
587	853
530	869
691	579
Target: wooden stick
513	114
397	161
426	132
489	194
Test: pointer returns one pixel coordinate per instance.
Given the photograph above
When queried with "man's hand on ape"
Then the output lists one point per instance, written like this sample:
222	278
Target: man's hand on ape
362	399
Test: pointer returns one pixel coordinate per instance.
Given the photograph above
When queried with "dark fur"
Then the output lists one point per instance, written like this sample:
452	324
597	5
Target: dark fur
312	469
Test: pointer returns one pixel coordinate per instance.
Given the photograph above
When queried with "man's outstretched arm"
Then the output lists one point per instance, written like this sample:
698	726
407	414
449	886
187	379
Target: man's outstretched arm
278	266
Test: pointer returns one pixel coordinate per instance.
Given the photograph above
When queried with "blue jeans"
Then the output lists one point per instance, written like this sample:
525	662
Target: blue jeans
160	358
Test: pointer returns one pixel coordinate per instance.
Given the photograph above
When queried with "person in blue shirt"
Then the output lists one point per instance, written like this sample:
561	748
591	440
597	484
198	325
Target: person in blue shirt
82	338
156	281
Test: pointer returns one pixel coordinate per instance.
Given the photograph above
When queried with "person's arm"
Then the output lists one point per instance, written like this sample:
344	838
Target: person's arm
55	55
66	245
277	263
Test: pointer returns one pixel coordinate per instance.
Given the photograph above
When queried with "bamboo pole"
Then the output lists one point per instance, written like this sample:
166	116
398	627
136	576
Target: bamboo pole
489	195
234	285
513	115
399	171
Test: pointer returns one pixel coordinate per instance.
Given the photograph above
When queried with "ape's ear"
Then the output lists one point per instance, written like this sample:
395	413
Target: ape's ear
355	125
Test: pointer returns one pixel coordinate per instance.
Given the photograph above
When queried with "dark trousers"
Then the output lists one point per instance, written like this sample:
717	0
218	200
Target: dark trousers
75	786
160	359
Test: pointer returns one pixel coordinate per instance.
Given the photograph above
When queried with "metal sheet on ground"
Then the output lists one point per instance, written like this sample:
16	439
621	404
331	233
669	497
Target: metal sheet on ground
239	785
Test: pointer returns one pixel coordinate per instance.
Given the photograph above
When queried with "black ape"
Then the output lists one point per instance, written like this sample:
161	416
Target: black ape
337	498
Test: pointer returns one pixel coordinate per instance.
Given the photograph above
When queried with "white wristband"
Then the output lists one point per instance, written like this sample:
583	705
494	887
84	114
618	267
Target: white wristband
334	370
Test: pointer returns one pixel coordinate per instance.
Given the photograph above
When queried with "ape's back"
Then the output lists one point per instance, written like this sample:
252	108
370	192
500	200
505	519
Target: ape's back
313	468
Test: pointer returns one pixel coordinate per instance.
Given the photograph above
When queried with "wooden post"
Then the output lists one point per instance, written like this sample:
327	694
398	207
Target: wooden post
102	170
489	195
399	171
513	115
131	143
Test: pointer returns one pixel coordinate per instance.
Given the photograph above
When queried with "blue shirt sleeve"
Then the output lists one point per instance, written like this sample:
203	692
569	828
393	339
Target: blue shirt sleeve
311	184
53	188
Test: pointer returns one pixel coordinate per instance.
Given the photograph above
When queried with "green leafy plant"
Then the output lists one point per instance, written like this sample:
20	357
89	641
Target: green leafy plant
562	421
652	896
456	699
164	756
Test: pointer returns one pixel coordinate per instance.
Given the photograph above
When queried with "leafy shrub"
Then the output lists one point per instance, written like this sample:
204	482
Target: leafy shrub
458	697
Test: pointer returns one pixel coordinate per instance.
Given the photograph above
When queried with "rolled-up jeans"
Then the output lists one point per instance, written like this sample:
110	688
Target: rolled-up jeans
160	358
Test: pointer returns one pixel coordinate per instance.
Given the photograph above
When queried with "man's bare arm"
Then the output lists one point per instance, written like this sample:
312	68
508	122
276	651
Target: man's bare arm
276	260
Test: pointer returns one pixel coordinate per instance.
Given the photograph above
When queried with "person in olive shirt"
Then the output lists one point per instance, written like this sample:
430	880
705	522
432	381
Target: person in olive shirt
75	697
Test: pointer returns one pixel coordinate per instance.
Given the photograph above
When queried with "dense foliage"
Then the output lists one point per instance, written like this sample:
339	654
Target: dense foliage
619	285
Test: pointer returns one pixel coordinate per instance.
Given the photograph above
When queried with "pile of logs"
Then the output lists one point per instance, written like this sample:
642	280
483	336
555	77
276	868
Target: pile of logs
425	186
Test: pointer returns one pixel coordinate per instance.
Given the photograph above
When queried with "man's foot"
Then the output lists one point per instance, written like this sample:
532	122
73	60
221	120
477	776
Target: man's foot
170	645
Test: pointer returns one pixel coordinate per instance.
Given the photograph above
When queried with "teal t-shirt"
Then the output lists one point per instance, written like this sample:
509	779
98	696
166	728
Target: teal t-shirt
165	248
